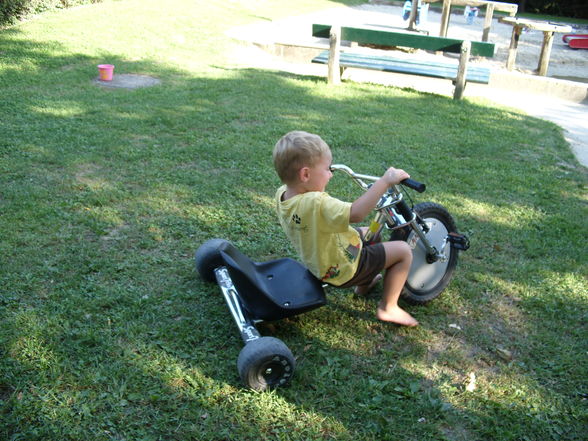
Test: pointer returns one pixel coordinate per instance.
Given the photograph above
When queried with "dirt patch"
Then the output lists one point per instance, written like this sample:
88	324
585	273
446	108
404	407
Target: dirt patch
129	81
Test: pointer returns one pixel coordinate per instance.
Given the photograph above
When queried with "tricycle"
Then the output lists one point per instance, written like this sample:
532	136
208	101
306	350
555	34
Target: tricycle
281	288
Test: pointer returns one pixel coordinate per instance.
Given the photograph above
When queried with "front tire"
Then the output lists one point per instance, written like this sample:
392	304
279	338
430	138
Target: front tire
265	363
427	281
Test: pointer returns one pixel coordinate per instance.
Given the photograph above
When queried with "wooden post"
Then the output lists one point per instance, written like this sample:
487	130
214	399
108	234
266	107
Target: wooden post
545	53
488	21
462	70
514	43
413	14
445	18
334	48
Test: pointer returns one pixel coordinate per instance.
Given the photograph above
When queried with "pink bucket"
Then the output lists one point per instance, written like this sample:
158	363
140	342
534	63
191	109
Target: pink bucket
105	72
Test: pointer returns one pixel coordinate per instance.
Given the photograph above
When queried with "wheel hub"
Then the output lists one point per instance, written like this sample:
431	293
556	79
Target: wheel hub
426	272
274	370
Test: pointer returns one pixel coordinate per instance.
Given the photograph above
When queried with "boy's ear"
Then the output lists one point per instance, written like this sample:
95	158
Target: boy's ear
304	174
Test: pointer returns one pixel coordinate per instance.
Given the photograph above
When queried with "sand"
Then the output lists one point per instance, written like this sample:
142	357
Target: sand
565	63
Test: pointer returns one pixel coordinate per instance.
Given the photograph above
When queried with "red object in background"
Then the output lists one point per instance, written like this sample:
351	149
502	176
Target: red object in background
567	37
576	41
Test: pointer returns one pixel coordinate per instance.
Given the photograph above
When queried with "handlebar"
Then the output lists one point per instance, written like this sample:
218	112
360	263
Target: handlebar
415	185
410	183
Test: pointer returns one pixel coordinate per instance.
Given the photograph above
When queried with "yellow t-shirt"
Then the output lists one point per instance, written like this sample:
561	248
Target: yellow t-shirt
318	228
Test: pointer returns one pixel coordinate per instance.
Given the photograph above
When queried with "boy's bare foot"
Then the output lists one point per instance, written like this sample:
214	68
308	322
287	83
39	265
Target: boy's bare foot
365	289
396	315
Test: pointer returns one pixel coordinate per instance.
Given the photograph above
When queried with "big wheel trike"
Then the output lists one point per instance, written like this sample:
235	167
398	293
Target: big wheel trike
282	288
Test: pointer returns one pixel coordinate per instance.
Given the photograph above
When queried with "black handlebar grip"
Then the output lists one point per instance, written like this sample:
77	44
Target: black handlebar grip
411	183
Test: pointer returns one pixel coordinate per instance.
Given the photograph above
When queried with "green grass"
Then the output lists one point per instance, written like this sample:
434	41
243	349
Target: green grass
107	333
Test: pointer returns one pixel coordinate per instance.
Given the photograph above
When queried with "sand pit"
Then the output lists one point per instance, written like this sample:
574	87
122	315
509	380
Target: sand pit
565	63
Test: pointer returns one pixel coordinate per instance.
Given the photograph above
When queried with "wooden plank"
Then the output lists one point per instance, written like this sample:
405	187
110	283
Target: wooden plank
403	39
407	66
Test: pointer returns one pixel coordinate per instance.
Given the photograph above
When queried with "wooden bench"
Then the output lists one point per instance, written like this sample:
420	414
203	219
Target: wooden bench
460	74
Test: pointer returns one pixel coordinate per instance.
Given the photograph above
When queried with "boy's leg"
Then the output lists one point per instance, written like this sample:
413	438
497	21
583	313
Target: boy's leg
362	290
398	261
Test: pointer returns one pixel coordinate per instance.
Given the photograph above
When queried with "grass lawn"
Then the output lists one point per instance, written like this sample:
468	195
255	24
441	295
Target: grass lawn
107	333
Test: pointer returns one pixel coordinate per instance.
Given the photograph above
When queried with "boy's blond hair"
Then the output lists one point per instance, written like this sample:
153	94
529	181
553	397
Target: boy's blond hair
295	150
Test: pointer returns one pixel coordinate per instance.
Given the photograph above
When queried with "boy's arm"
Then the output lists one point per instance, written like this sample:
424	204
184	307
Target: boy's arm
362	206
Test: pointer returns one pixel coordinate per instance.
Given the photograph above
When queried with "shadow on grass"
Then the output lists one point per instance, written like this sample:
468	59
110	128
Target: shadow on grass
106	330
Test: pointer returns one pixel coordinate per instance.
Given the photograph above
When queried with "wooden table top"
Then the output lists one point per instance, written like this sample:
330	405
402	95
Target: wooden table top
537	25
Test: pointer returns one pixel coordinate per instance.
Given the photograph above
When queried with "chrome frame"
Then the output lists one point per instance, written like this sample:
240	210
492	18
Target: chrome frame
386	213
245	325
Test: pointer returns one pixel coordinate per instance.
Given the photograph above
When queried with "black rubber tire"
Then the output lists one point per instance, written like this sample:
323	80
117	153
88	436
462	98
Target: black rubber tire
424	282
265	363
208	258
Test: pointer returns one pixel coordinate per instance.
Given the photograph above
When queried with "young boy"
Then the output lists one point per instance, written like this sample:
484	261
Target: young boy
318	225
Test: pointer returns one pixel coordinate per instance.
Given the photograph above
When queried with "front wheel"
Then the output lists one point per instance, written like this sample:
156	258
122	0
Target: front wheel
427	280
265	363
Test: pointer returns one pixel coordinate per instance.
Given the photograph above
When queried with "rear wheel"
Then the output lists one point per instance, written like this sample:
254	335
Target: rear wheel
208	258
427	280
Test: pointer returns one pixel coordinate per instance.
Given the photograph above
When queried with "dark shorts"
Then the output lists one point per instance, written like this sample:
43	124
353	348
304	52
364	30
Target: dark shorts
371	262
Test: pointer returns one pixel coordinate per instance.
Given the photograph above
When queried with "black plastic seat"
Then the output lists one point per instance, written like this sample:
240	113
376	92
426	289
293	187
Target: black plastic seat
272	290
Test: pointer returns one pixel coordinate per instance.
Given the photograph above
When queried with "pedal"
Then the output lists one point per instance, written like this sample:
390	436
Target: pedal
458	241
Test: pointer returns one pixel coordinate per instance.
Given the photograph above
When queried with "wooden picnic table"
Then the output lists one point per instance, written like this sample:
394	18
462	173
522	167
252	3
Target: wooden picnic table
491	6
518	24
